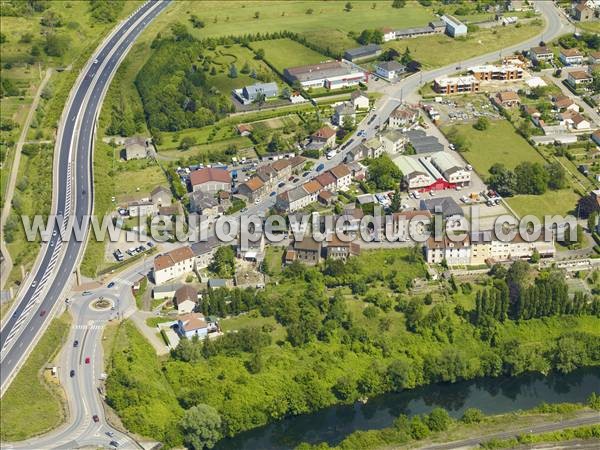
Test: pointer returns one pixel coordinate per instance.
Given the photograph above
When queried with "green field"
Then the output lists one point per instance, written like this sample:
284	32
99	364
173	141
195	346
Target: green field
500	143
32	405
284	53
552	202
440	50
224	56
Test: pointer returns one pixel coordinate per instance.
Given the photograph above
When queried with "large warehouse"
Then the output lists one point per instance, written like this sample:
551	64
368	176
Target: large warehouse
330	74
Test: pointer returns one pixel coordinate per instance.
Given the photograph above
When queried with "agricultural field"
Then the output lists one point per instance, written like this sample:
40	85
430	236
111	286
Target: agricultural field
441	50
284	53
500	143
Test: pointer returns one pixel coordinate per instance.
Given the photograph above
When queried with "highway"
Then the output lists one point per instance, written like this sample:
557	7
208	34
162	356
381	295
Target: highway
73	195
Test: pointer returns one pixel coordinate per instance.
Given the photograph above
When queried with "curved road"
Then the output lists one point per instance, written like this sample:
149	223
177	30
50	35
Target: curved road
72	190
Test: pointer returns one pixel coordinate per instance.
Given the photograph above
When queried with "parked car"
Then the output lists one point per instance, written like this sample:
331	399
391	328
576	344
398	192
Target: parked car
282	184
320	167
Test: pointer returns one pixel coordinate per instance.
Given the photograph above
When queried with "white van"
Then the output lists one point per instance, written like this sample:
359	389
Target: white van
330	154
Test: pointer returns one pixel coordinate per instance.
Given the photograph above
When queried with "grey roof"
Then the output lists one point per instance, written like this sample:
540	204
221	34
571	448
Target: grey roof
200	200
203	247
423	143
415	30
264	88
391	66
217	283
165	288
319	71
296	194
446	205
345	109
361	52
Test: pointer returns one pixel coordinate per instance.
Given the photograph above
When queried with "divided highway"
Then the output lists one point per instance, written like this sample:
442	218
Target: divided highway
73	195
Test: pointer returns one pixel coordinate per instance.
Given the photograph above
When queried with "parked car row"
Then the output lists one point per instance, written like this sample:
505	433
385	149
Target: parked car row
119	256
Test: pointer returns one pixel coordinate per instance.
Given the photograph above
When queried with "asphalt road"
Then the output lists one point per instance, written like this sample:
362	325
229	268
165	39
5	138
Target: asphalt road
73	195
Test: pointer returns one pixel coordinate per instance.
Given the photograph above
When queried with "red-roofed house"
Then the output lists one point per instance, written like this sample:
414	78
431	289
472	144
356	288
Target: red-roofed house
210	180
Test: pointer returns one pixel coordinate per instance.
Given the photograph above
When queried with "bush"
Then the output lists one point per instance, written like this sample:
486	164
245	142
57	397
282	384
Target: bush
472	415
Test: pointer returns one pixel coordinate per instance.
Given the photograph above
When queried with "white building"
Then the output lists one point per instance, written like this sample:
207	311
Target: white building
195	324
415	175
390	70
330	74
141	208
452	170
403	116
393	141
454	27
344	112
343	177
452	252
359	100
173	264
571	57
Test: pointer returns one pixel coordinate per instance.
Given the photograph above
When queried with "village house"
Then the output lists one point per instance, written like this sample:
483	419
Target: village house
173	264
244	129
579	78
342	250
185	299
343	113
136	148
563	103
506	99
393	141
307	251
594	58
390	70
403	116
582	12
204	251
359	100
165	291
571	57
407	225
343	177
293	199
541	54
210	180
452	252
253	189
326	197
323	138
141	208
327	181
161	196
574	120
204	203
195	324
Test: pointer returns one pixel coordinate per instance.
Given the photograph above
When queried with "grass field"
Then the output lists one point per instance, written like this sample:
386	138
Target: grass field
224	56
500	143
32	405
284	53
552	202
238	17
440	50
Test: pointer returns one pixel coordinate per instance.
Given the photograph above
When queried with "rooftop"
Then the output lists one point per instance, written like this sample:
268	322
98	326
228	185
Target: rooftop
209	174
173	257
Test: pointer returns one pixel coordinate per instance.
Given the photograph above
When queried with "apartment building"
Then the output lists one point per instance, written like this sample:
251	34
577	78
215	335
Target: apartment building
492	72
456	85
173	264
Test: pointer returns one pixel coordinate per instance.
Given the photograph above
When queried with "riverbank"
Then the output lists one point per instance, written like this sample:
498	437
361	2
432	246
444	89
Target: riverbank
564	421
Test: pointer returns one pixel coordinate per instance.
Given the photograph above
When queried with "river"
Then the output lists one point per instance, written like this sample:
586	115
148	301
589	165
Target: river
490	395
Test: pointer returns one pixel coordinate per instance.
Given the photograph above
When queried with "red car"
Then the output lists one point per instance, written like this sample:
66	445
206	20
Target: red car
87	360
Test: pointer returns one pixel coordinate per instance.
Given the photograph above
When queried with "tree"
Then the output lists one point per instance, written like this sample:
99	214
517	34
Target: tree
535	256
438	420
557	178
233	72
502	180
257	15
344	388
472	415
531	178
260	54
398	3
56	45
201	426
348	7
309	11
223	263
384	174
592	222
196	21
246	68
482	124
406	56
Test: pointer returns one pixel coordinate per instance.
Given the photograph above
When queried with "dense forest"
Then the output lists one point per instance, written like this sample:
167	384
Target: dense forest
172	85
344	331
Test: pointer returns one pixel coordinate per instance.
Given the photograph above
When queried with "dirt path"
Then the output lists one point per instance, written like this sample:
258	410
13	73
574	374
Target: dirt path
10	188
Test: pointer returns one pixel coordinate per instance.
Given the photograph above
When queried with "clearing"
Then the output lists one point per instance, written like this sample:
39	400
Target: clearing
284	53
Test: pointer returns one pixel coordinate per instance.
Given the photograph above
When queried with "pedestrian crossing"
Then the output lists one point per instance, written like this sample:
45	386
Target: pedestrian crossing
98	325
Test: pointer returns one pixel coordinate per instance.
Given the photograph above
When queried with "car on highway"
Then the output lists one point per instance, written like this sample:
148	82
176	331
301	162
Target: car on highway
87	359
42	313
96	418
34	284
72	373
320	167
75	343
111	284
